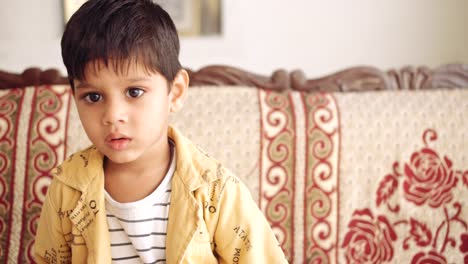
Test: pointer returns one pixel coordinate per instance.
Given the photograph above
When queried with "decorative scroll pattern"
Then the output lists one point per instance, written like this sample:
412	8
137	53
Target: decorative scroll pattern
10	110
277	166
45	150
321	183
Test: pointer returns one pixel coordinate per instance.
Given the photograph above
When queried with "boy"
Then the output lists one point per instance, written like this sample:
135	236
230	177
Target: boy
142	193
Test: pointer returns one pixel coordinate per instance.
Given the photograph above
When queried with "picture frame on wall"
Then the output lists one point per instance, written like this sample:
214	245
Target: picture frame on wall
191	17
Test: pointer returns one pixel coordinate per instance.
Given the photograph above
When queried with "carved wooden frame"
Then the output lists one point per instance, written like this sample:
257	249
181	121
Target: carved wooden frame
352	79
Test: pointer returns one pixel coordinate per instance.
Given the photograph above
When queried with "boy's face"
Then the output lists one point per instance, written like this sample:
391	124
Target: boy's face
125	115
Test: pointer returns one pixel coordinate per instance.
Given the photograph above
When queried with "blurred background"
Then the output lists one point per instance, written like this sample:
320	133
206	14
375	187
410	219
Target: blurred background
319	37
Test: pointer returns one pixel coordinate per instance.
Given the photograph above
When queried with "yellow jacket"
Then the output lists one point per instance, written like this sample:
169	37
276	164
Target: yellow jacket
212	217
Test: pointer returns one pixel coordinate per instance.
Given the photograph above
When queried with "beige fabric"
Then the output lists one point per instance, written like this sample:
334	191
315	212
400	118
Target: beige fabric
225	122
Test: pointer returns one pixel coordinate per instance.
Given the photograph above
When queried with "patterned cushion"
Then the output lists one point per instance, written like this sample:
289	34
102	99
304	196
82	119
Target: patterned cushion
375	177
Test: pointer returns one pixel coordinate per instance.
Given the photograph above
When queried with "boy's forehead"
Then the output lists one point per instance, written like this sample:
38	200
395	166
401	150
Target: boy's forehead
120	68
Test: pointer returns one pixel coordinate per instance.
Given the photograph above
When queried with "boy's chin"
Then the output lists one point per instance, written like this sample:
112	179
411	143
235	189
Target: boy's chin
119	158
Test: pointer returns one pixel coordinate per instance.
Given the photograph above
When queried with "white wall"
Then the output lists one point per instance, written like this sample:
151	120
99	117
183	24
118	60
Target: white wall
319	37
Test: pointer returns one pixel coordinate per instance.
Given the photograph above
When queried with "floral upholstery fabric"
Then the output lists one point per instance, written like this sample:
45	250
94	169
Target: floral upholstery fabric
369	177
406	153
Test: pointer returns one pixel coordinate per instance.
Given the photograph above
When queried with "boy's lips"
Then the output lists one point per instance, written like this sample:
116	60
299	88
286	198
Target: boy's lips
117	141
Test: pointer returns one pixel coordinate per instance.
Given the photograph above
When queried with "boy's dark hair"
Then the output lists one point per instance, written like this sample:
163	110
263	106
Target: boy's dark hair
120	32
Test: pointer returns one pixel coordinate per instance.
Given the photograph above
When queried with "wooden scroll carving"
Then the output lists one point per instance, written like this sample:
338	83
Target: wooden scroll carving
226	75
351	79
451	75
370	78
31	76
210	75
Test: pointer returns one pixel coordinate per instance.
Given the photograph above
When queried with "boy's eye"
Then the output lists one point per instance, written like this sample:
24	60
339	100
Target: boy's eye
92	97
135	92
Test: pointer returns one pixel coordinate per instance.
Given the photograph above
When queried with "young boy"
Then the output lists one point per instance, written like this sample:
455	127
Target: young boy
142	193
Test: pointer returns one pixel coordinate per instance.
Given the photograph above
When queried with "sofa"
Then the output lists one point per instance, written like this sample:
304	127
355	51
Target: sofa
359	166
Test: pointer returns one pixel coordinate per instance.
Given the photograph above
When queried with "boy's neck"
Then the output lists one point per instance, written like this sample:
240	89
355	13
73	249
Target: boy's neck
130	182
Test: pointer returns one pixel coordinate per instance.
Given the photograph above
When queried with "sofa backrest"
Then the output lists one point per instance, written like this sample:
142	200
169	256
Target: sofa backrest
343	177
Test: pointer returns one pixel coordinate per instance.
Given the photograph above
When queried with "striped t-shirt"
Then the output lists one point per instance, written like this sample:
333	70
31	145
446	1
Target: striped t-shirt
138	229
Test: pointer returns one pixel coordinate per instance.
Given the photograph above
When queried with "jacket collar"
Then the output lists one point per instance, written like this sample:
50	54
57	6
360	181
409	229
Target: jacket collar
192	161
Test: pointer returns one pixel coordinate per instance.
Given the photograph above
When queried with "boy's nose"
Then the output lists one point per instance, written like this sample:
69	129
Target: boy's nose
114	113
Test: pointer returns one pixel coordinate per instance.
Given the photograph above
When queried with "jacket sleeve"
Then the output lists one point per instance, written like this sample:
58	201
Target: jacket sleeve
50	245
243	234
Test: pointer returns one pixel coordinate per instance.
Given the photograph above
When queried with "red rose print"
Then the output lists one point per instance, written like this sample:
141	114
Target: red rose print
428	258
369	239
464	243
429	179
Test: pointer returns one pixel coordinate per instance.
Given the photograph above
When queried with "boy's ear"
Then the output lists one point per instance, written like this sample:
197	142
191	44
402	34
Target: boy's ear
178	92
